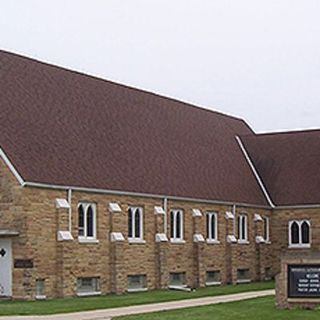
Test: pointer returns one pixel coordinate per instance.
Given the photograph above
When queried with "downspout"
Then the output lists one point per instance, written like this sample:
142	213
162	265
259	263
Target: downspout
165	208
70	209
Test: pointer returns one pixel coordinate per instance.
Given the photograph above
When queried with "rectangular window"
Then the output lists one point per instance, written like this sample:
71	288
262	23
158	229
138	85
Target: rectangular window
243	228
88	286
212	226
135	223
40	289
213	278
178	279
176	225
137	283
266	229
87	221
243	275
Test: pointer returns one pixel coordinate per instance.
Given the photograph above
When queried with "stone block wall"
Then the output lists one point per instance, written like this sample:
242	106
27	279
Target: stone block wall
33	213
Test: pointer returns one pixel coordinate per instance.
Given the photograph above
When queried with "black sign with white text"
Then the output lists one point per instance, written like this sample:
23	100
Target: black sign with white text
304	281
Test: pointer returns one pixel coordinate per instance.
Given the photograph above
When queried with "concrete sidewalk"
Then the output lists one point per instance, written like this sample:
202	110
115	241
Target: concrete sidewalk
107	314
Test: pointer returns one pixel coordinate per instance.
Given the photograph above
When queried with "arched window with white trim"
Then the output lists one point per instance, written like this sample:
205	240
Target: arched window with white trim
212	226
87	221
299	234
176	225
135	223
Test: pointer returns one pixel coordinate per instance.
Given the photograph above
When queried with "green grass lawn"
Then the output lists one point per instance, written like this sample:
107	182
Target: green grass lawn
113	301
254	309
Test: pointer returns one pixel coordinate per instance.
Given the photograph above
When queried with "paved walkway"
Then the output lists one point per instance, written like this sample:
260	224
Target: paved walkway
107	314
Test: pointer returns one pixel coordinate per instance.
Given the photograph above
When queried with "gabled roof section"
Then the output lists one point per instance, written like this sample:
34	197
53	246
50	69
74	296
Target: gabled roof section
288	164
65	128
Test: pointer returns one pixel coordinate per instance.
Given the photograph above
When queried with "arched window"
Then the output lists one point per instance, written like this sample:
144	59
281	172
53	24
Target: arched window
81	220
295	232
135	223
212	226
266	229
87	221
242	228
305	232
299	234
176	225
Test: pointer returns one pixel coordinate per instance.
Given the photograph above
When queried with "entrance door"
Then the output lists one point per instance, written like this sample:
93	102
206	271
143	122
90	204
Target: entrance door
5	268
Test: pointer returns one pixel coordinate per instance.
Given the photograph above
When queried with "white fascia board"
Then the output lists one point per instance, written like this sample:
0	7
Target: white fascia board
11	167
138	194
255	172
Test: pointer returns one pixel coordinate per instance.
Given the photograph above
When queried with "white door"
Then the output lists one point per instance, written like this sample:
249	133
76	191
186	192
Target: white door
5	268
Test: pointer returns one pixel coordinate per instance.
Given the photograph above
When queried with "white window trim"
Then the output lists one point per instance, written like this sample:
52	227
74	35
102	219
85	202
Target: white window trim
299	245
137	290
134	239
89	294
210	239
213	283
243	239
266	220
175	239
85	238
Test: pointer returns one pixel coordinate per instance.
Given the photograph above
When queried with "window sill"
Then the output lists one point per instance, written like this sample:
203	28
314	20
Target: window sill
136	241
212	241
88	240
267	242
177	241
243	242
89	294
182	287
300	246
244	281
41	297
215	283
137	290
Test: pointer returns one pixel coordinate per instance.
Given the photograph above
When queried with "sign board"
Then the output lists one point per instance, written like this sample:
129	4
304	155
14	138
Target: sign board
304	281
23	263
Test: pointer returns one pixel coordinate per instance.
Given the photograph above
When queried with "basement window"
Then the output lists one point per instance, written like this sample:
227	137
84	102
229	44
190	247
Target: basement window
213	278
177	279
40	289
299	234
137	283
243	276
88	286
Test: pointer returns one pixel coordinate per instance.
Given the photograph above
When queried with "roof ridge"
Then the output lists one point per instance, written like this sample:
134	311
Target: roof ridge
145	91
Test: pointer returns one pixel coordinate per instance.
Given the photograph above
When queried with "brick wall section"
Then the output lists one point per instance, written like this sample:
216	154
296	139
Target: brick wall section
32	212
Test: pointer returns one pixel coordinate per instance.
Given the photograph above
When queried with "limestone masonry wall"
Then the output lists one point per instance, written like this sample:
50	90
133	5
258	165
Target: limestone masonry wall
32	212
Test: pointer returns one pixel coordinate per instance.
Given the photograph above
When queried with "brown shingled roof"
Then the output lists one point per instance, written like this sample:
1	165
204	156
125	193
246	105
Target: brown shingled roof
65	128
288	164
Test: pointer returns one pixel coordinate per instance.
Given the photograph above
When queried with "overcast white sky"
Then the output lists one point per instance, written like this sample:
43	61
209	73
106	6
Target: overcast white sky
259	60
